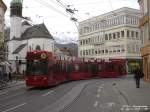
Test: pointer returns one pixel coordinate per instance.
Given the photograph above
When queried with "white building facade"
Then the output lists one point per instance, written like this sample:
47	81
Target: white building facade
25	37
112	35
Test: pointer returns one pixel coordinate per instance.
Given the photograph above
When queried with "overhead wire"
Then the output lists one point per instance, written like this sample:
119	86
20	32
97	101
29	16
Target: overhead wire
71	14
51	7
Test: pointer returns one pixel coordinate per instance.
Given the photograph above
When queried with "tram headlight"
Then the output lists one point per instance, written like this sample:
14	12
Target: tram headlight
43	56
26	79
45	78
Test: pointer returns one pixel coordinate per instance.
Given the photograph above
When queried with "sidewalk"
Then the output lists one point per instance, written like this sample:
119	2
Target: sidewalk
135	96
13	83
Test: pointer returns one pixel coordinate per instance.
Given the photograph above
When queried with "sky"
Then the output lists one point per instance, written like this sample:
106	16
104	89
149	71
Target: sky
53	14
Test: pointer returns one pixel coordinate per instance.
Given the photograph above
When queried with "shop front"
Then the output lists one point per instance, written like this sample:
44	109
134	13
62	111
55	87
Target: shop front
132	64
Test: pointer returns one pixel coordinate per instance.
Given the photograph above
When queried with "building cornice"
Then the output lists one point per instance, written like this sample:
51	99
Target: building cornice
112	14
108	29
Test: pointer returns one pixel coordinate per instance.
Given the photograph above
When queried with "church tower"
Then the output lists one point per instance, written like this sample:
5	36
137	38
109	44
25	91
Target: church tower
15	28
15	18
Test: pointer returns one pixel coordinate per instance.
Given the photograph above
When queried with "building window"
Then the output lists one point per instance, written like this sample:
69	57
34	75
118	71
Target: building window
106	51
103	51
137	35
128	33
118	50
95	52
80	42
106	37
83	42
122	50
30	48
89	40
86	52
99	52
86	41
114	36
83	52
38	47
132	33
122	33
110	37
110	52
92	51
118	34
114	51
80	31
80	53
89	52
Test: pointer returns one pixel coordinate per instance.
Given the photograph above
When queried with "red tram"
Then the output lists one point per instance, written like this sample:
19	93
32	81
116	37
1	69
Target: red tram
111	68
45	69
80	69
42	69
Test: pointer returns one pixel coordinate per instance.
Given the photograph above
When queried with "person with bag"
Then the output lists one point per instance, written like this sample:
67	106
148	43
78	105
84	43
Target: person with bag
138	74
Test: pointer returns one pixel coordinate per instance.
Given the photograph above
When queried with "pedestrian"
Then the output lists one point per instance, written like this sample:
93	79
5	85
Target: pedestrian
138	74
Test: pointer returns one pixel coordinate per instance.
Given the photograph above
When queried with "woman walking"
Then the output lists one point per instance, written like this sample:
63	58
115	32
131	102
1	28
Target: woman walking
138	74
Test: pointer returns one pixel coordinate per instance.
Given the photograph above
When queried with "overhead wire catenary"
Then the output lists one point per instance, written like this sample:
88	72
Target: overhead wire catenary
51	7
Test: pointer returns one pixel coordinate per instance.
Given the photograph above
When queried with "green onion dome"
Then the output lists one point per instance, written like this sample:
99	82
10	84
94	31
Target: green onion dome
16	3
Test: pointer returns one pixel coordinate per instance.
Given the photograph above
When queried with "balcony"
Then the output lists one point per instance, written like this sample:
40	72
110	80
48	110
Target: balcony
143	20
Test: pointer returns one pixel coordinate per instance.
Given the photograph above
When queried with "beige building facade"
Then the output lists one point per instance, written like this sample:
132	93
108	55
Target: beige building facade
144	24
112	35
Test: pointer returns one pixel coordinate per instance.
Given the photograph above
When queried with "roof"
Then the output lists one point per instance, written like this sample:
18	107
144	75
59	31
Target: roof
19	49
16	3
36	31
26	23
113	13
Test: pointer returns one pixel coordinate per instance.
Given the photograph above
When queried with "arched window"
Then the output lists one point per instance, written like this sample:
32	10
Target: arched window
38	47
30	48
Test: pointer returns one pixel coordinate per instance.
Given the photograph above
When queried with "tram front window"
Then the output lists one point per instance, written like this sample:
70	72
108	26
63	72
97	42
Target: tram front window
37	67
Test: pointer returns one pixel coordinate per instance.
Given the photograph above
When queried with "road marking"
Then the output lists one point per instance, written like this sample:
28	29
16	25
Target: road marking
3	93
96	103
5	98
99	90
100	87
108	105
12	108
50	92
98	95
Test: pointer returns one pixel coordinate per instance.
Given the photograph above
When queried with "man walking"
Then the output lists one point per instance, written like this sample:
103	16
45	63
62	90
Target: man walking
138	74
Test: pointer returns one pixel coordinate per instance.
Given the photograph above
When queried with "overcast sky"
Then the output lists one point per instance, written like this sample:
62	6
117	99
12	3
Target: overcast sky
53	14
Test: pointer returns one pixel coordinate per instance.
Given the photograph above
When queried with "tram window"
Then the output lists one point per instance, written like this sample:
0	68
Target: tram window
86	67
110	67
69	68
99	68
36	67
62	67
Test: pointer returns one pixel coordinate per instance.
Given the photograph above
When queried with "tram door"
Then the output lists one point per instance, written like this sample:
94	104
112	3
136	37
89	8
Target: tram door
94	68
